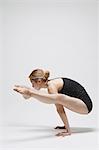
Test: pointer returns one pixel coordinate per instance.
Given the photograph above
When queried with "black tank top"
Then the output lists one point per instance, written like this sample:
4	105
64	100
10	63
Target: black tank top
71	88
74	89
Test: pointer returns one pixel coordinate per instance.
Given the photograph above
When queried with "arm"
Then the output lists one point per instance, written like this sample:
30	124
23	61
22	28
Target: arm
61	111
39	95
49	98
63	116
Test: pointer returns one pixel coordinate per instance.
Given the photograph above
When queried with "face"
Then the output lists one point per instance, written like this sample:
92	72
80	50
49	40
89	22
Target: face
37	84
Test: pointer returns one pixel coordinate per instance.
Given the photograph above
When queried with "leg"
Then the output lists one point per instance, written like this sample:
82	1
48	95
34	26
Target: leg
45	98
71	103
74	104
63	116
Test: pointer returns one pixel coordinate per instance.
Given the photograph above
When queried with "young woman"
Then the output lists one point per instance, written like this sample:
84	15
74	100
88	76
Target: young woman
62	92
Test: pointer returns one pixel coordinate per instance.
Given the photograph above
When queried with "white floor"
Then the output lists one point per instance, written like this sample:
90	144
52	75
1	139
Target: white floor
43	137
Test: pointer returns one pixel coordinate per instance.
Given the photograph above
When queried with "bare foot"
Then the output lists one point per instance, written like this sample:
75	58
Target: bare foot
22	90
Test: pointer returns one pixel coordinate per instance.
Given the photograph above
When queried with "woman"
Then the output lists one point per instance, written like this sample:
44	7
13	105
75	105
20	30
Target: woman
62	92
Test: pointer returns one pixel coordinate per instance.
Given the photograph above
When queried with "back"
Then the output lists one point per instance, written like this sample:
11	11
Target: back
71	88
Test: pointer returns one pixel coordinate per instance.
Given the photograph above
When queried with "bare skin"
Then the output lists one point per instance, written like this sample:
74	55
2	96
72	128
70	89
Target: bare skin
53	97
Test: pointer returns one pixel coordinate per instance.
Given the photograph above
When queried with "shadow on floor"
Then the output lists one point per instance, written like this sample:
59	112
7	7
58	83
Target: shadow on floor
44	128
82	130
49	129
30	133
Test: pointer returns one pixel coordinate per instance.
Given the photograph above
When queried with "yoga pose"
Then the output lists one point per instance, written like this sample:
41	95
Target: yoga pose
63	92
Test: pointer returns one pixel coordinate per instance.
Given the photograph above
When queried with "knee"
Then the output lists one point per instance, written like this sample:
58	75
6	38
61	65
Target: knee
59	97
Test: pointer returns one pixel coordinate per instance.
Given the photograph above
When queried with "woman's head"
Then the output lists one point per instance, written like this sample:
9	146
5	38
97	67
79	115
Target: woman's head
38	78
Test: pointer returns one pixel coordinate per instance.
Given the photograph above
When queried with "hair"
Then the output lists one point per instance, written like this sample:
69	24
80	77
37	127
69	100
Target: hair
39	74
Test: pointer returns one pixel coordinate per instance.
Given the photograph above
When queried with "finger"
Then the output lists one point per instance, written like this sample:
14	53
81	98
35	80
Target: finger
66	134
63	134
58	134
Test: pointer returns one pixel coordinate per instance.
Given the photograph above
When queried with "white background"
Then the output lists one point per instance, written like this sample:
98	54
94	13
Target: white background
58	35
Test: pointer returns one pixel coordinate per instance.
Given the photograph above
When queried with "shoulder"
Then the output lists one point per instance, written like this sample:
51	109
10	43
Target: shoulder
55	85
52	88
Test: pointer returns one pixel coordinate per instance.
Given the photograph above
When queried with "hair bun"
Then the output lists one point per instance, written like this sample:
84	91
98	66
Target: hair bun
46	74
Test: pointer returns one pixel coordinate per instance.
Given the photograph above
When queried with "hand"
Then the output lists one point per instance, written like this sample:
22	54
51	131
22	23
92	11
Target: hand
65	133
23	90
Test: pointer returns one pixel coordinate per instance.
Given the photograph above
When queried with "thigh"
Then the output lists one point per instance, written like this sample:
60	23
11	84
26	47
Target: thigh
72	103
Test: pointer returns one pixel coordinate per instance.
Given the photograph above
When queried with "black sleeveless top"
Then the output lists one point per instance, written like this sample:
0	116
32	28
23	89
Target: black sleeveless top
74	89
71	88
